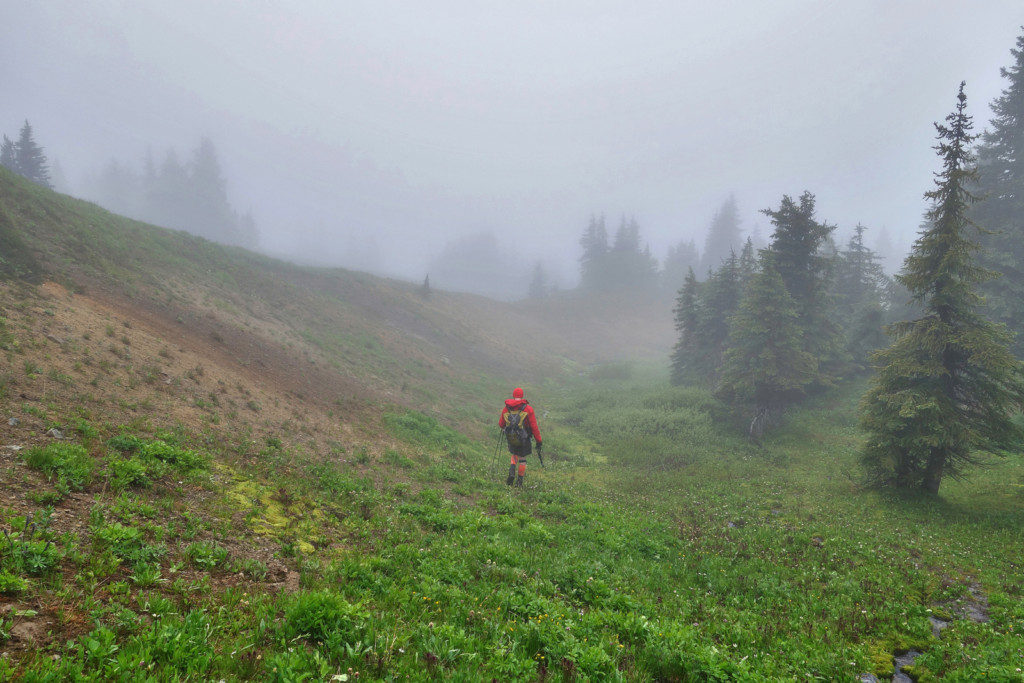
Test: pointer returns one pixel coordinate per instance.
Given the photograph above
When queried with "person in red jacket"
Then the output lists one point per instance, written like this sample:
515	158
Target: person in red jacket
519	424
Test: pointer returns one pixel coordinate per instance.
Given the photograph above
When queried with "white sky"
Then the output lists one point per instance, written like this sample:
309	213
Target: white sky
370	133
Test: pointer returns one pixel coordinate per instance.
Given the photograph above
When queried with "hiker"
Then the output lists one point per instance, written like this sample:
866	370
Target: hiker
519	424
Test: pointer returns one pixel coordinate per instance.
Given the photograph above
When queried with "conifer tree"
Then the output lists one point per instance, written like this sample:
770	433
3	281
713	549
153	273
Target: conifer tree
8	159
678	261
595	251
948	385
862	292
765	362
719	297
797	255
1001	187
747	263
686	328
29	158
723	235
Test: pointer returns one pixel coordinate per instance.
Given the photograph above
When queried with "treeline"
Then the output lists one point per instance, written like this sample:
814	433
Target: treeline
25	157
190	195
623	263
769	325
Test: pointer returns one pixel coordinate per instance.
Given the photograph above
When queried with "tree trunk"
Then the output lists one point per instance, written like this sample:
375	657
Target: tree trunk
933	472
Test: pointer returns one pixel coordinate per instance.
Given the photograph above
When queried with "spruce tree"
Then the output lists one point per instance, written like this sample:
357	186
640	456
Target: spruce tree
1001	187
678	261
723	235
798	251
862	293
719	297
595	253
948	386
29	158
686	327
765	363
748	262
8	159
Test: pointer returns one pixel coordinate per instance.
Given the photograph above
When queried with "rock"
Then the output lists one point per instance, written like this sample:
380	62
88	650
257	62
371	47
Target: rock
977	608
937	625
15	449
867	678
14	422
55	340
900	662
55	433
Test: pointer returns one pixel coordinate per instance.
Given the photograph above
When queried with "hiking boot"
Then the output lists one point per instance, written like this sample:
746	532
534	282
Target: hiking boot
519	482
511	475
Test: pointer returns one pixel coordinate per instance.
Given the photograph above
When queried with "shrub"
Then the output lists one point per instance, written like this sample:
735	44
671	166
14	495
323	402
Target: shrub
127	543
69	463
206	555
11	584
322	616
128	472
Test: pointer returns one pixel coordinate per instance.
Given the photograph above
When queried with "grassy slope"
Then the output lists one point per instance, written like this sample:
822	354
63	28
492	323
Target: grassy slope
310	536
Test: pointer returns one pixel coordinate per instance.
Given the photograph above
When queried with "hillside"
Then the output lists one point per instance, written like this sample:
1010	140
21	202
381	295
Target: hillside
215	465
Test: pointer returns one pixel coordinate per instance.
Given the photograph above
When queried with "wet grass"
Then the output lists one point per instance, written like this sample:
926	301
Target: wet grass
727	562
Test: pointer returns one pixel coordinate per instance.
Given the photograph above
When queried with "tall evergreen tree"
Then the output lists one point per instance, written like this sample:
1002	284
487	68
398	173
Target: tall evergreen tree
686	316
719	298
210	214
1001	186
797	248
765	363
595	250
862	293
679	259
723	235
8	159
747	263
948	386
29	157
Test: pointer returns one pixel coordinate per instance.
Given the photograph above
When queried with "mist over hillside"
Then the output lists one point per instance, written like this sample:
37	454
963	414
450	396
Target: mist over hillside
373	135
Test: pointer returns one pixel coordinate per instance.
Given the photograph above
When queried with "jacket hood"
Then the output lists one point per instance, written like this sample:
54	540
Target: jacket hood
516	403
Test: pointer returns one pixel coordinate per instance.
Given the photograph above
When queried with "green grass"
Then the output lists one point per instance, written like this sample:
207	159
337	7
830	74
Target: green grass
730	563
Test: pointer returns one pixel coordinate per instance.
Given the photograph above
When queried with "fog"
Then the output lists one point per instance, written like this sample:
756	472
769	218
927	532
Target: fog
377	135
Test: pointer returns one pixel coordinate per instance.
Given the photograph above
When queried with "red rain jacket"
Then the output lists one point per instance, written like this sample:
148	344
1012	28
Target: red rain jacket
531	421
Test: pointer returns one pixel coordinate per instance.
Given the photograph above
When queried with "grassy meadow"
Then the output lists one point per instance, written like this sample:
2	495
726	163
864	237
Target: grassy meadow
655	545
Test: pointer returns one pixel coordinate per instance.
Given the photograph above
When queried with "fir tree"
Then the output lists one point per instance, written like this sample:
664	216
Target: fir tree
29	158
719	297
747	263
8	159
723	235
1001	186
680	259
862	293
798	254
595	251
948	386
686	328
765	362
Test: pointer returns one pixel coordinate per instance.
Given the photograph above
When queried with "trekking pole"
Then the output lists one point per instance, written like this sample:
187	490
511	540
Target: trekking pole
497	449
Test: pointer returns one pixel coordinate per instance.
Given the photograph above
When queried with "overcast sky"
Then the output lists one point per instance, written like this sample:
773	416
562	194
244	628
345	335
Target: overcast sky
371	133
